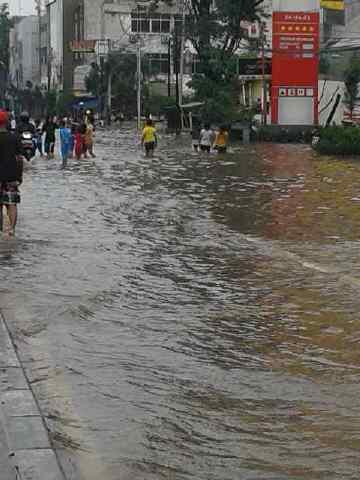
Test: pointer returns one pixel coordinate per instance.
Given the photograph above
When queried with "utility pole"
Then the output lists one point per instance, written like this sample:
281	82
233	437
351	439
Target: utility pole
38	9
48	48
182	50
103	100
139	83
169	68
264	84
108	96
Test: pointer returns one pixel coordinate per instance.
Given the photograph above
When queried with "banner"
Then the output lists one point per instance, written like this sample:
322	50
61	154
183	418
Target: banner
332	4
82	46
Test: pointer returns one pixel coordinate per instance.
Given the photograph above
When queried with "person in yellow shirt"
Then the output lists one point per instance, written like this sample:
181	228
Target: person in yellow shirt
89	139
221	140
149	138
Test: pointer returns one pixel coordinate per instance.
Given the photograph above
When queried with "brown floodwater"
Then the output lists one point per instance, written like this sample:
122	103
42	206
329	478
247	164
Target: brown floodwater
192	317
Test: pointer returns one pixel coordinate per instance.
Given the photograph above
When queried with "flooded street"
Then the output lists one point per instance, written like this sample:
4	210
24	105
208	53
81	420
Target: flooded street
192	317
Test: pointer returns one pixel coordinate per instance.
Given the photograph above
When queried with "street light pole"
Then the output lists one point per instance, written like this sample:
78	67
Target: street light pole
109	97
38	8
169	68
264	85
139	83
182	49
103	100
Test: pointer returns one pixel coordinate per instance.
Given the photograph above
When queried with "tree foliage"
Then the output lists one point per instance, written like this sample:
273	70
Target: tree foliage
122	67
5	26
352	80
219	24
216	31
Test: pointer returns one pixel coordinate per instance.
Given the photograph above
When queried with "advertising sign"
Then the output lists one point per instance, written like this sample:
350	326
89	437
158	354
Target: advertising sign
295	64
332	4
83	46
253	67
295	48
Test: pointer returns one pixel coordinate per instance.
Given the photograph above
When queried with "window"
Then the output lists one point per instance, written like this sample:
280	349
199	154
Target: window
141	22
79	23
44	55
158	63
178	23
79	29
196	66
164	23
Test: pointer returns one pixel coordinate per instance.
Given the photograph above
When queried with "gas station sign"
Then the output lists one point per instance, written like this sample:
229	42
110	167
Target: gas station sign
295	67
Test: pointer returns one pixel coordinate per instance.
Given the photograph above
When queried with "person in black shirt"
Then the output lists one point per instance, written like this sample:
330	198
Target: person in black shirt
11	168
24	125
49	129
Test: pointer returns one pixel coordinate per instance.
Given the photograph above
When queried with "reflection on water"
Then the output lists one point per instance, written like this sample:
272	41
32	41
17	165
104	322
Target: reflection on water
192	317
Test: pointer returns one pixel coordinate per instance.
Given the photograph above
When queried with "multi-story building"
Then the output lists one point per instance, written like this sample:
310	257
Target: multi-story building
342	38
336	22
76	27
24	52
60	16
43	57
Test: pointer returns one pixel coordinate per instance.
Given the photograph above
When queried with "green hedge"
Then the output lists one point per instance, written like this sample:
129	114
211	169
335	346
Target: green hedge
278	134
339	141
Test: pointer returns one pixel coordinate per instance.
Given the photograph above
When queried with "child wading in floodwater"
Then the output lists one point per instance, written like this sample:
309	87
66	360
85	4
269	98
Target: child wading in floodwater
221	140
89	138
79	142
149	138
66	142
206	138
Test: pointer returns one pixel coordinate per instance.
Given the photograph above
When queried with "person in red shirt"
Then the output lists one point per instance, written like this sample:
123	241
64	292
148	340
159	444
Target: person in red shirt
11	168
79	143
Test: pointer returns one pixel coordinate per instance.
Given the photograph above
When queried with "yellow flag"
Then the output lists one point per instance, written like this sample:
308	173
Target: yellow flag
332	4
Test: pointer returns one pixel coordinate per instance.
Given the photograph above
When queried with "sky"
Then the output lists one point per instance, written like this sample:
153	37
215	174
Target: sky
27	7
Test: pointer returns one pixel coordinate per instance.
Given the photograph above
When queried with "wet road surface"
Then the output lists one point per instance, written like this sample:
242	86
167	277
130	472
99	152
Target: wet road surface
192	317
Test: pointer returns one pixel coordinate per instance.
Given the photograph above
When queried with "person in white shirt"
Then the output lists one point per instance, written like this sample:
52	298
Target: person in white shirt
206	138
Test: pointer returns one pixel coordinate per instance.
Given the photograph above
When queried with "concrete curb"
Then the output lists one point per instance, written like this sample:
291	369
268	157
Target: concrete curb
30	448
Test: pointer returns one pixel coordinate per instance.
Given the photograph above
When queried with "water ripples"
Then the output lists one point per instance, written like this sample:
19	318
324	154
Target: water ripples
184	317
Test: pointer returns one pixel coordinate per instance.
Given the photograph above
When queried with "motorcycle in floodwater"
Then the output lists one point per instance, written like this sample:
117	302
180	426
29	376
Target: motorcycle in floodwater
28	145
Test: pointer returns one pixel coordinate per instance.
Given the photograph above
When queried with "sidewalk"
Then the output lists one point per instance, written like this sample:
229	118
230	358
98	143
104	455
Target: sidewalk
6	469
22	430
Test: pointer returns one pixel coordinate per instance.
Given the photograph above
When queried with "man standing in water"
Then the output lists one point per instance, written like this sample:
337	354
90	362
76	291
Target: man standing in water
11	167
49	129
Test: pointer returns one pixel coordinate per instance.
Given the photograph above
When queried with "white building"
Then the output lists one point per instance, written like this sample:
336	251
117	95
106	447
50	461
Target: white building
125	23
24	52
121	22
55	15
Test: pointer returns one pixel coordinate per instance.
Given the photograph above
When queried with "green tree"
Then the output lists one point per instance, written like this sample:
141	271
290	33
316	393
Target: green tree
51	102
352	79
5	26
324	64
122	67
216	31
63	103
93	81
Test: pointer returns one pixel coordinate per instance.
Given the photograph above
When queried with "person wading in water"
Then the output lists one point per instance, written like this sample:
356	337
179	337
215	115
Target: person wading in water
11	168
